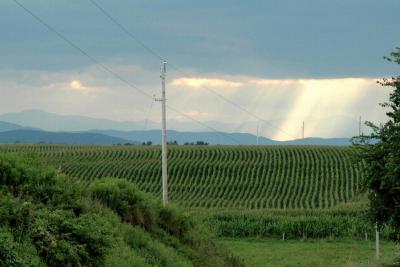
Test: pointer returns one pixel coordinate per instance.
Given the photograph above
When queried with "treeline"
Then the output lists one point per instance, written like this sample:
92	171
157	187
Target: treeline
173	142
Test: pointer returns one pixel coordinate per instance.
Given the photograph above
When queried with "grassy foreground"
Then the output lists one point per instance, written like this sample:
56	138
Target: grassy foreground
278	253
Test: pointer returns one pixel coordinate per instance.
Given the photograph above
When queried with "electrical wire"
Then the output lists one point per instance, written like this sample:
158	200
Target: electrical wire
113	73
148	113
176	68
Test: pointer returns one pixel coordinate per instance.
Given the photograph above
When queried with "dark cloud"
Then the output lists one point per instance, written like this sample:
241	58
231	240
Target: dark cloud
276	49
280	39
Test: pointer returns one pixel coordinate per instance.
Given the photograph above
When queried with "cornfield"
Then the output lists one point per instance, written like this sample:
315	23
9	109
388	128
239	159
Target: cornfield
242	177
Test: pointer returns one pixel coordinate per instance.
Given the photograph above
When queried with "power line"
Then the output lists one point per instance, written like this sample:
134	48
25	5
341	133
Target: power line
238	106
110	71
124	29
158	56
148	113
76	47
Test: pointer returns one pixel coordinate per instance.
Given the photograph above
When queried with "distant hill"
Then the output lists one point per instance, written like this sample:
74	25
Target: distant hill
13	133
65	123
53	128
35	136
215	138
327	126
6	126
212	138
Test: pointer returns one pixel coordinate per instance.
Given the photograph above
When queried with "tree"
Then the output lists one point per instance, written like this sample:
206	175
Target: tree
201	143
380	152
148	143
173	142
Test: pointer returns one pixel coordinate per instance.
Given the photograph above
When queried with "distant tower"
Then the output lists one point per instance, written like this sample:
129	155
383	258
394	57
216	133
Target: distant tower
359	127
302	130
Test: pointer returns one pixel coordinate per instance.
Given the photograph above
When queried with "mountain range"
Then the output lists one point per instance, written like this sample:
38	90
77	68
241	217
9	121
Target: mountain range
332	126
37	137
35	126
216	138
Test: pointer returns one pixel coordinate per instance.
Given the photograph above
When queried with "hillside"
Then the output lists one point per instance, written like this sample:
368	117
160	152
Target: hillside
212	138
141	131
14	133
37	136
220	176
48	121
48	219
6	126
65	123
238	191
215	138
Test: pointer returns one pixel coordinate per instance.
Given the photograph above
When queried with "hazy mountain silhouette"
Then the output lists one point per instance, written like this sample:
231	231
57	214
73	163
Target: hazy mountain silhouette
36	137
215	138
53	128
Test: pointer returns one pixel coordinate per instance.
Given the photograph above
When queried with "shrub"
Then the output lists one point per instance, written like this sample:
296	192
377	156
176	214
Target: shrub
134	206
13	254
64	239
53	220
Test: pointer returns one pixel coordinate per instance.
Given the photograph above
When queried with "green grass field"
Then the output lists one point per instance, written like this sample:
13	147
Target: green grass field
295	253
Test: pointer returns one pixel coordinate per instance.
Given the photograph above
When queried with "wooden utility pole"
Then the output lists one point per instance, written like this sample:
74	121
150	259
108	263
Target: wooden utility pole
164	136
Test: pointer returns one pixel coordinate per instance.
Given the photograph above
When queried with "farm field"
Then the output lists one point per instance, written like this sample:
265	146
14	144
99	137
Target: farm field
291	253
242	191
248	196
244	177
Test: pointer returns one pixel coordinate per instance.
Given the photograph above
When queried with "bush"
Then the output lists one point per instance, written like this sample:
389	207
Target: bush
8	257
13	254
166	224
47	219
134	206
63	239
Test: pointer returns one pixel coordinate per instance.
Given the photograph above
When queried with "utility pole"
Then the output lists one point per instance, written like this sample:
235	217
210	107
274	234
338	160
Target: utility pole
377	245
359	127
164	136
377	242
302	131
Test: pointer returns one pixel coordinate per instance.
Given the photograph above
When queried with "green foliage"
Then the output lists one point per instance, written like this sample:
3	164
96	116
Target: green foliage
17	254
33	209
155	253
166	224
174	222
382	158
13	254
316	224
63	239
47	219
134	206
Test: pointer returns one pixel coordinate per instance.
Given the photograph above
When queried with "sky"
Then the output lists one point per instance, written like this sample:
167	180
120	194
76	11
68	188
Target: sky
286	61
